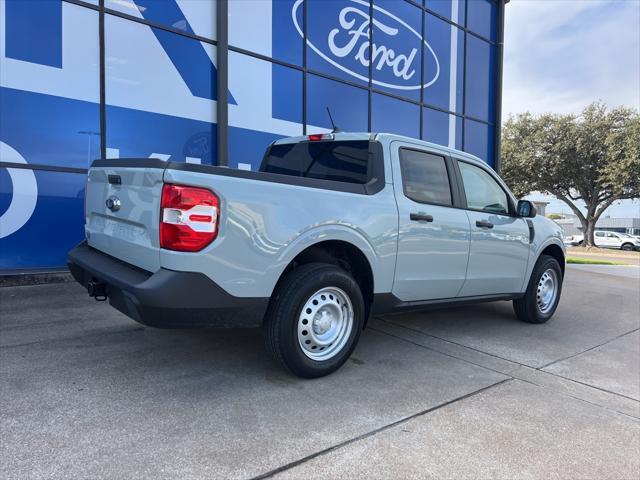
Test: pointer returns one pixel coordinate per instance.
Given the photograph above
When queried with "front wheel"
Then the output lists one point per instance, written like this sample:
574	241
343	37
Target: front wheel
627	247
314	320
543	292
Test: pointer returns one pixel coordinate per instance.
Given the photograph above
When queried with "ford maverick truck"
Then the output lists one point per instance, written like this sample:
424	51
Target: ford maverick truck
332	229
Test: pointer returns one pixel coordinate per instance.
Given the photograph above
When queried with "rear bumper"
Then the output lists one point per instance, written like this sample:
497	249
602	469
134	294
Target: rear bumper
166	298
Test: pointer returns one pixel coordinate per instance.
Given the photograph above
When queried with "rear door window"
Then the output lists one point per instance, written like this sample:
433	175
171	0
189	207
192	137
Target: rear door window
341	161
424	177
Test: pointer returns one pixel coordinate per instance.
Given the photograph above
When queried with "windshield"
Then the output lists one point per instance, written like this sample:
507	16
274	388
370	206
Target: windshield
341	161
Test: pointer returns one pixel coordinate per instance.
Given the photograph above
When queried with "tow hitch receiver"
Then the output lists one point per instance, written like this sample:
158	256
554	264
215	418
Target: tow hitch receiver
97	290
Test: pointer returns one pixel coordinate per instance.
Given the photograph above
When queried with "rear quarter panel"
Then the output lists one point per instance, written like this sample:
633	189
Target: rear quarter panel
264	225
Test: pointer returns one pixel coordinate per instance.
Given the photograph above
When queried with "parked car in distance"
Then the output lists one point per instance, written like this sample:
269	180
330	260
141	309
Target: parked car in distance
331	229
573	240
637	237
605	239
626	238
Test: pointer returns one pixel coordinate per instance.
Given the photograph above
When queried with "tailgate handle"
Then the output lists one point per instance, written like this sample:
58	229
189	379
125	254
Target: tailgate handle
115	179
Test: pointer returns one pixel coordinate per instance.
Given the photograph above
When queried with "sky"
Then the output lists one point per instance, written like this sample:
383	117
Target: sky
561	55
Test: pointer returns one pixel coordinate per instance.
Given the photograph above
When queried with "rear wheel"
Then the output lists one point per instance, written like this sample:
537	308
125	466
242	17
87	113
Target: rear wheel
543	292
627	247
314	320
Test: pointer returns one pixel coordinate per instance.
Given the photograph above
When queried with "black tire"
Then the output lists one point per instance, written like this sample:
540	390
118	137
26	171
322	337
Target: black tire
527	308
627	247
281	322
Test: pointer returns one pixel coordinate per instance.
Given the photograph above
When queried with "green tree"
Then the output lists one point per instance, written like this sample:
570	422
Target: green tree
591	159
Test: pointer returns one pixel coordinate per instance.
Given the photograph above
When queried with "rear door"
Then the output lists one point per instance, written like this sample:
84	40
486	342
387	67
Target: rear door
499	240
122	210
433	236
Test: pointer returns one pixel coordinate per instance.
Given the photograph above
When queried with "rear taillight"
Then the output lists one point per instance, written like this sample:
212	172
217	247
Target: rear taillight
188	218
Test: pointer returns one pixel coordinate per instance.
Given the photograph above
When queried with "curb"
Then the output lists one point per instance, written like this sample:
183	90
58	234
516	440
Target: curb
26	279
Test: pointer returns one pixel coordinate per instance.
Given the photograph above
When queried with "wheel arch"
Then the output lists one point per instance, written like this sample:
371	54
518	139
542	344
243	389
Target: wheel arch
343	254
555	251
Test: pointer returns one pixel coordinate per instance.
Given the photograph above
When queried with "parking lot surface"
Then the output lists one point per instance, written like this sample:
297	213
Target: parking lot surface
468	392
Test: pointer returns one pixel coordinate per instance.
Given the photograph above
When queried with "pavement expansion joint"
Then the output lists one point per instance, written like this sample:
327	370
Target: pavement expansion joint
337	446
588	349
513	374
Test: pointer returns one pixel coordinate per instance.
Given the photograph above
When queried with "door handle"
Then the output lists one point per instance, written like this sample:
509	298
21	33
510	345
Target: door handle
421	217
484	224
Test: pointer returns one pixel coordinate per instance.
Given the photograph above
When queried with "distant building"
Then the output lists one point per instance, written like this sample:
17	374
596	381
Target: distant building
620	225
571	224
541	207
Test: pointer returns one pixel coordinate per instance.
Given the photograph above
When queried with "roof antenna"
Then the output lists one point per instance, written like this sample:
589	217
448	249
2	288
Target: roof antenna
335	127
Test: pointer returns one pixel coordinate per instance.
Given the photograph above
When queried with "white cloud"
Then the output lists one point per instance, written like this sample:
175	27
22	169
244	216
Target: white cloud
562	55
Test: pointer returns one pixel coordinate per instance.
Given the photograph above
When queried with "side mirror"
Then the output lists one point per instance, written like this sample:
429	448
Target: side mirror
526	209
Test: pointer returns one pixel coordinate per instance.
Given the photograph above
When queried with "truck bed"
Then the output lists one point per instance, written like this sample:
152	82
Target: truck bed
265	220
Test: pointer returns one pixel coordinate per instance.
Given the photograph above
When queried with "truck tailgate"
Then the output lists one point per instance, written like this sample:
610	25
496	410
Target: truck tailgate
122	211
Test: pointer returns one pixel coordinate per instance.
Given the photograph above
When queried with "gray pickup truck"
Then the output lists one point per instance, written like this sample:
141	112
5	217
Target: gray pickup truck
332	229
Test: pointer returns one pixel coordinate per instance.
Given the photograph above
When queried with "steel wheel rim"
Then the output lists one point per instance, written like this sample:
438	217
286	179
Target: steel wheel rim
325	323
547	291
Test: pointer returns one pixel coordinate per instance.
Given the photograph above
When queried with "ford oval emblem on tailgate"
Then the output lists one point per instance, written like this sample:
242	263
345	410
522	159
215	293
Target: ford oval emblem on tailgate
113	203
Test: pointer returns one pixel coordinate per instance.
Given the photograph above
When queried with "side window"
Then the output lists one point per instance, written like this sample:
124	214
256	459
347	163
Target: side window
482	191
612	235
599	234
424	177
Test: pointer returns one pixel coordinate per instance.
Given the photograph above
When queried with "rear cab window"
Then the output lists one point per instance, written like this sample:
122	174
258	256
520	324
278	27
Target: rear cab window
341	161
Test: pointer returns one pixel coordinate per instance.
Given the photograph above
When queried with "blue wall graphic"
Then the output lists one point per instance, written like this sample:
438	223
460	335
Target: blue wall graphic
160	89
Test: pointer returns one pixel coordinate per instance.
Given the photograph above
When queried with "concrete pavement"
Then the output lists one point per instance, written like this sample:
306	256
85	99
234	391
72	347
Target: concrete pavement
467	392
509	431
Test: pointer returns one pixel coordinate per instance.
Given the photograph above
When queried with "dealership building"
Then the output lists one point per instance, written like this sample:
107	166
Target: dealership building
215	82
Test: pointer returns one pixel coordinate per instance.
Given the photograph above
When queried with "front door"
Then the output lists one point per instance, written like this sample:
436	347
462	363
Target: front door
600	239
499	240
613	240
433	242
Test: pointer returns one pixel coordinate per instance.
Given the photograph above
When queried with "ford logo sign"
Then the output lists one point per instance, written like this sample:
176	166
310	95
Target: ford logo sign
113	203
347	41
